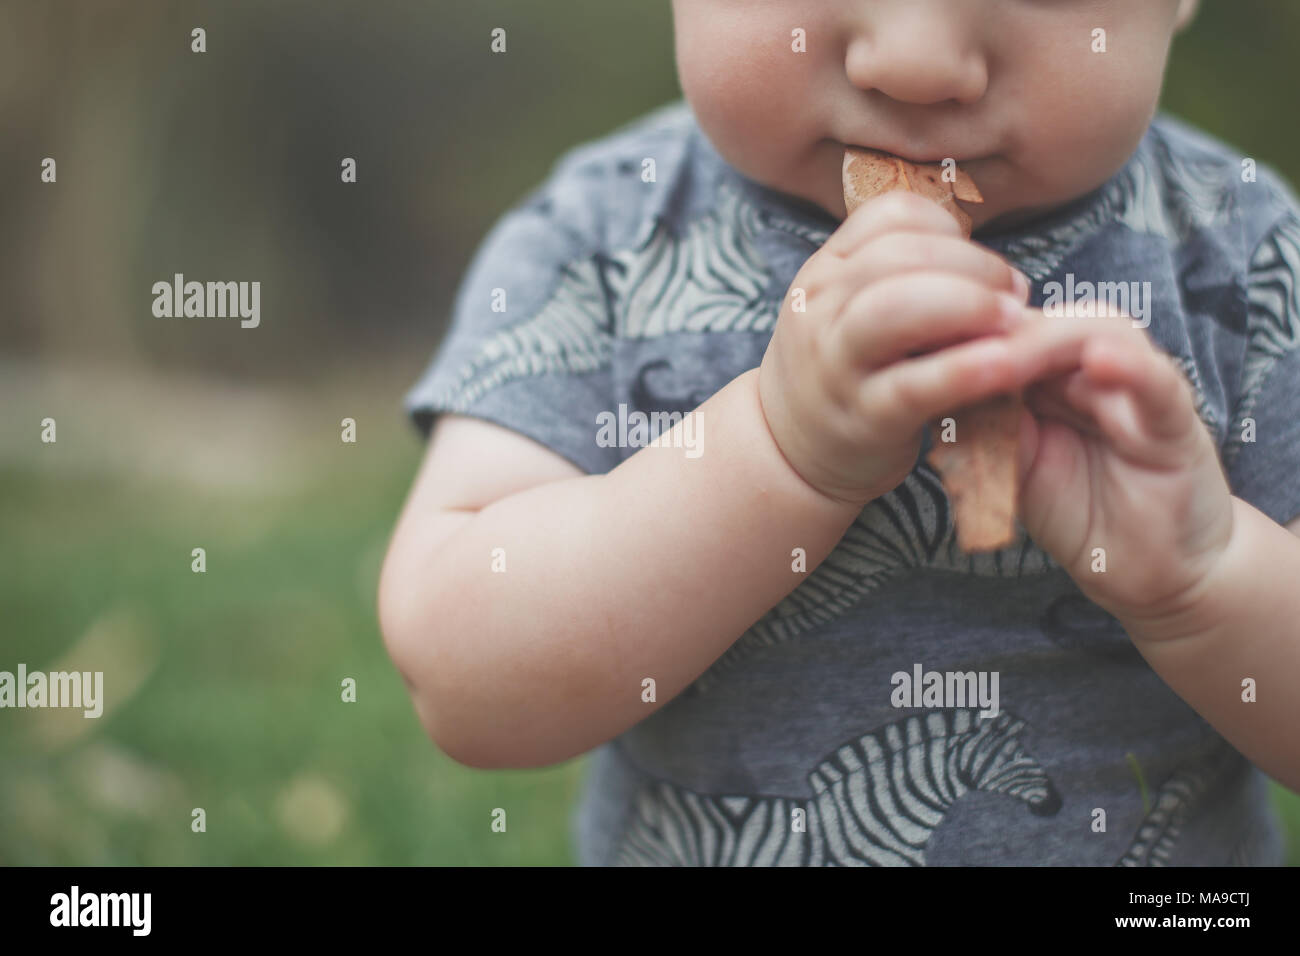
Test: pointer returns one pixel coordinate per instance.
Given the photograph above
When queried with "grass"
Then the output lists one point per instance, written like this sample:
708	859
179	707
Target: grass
240	711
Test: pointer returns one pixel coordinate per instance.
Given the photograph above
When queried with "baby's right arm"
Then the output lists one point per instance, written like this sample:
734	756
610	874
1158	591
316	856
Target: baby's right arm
656	568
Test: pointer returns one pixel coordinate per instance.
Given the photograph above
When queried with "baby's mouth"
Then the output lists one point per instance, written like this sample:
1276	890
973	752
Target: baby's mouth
923	157
926	158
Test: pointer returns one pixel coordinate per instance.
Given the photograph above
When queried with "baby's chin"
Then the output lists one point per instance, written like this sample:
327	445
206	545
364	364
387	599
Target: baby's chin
998	213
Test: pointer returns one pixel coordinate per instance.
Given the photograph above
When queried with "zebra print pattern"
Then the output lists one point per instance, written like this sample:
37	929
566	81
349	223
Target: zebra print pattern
1181	794
910	527
1174	195
875	802
1157	193
713	278
569	335
1273	325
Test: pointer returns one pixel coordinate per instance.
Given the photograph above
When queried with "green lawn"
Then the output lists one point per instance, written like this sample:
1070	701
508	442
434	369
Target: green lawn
236	673
238	708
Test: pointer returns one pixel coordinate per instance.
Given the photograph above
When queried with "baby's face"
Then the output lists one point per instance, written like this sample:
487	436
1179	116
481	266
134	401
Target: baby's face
1010	89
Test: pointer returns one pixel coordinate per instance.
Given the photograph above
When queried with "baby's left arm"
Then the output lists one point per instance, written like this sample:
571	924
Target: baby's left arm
1231	648
1122	485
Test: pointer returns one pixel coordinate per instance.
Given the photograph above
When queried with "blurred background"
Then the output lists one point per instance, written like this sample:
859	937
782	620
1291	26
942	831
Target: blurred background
224	687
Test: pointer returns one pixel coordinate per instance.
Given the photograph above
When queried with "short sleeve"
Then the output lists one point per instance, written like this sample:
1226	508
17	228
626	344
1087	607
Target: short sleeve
1262	456
528	344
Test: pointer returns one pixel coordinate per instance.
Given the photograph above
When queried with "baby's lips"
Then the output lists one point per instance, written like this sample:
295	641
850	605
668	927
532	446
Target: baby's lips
870	172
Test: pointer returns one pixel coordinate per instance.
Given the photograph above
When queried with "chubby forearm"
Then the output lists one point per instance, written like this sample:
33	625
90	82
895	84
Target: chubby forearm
1242	622
649	571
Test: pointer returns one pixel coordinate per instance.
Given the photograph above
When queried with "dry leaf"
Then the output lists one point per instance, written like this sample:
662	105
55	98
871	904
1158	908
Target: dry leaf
979	469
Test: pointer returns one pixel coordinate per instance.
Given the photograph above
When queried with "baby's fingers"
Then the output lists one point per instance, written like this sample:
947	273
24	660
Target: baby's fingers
1112	355
1054	398
1162	401
919	311
903	252
896	211
901	398
1115	415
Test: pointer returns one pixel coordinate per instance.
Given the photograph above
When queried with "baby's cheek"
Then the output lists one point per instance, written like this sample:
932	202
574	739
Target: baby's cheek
1087	123
753	96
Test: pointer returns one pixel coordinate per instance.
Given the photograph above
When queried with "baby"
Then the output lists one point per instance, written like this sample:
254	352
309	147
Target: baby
675	507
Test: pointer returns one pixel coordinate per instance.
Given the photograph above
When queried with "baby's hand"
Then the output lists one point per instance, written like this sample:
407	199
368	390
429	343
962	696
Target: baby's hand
842	393
1121	480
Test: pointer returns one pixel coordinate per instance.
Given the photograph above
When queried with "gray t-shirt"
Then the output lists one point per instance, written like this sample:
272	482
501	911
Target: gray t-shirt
821	736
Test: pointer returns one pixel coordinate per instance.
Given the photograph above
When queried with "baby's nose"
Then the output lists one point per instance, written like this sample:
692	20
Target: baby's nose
917	53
